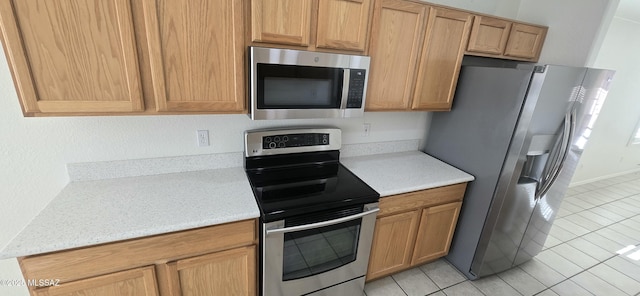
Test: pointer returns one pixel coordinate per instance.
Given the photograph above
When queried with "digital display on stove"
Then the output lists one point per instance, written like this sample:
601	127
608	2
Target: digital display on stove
295	140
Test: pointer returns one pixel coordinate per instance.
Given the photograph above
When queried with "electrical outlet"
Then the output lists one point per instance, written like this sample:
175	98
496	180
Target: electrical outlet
203	138
366	128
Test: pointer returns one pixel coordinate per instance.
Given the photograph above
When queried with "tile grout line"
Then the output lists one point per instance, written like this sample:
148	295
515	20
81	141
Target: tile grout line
615	222
580	236
441	289
603	262
498	275
447	287
591	231
399	286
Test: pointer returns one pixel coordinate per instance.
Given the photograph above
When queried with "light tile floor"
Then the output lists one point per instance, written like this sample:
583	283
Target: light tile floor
579	258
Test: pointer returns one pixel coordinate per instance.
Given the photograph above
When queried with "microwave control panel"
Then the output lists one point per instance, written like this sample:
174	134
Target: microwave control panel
295	140
356	88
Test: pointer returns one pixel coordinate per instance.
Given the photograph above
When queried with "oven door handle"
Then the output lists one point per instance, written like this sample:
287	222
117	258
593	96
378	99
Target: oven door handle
323	223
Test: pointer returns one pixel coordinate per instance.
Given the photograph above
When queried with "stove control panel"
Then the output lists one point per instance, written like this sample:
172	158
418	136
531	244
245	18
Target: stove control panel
284	141
295	140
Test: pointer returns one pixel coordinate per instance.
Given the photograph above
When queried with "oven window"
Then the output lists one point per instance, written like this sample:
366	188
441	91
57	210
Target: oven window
315	251
298	87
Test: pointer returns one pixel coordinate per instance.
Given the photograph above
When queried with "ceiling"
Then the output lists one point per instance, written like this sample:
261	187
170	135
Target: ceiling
629	9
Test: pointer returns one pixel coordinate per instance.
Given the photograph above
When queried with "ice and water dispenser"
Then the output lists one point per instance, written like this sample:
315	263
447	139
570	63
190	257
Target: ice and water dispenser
536	165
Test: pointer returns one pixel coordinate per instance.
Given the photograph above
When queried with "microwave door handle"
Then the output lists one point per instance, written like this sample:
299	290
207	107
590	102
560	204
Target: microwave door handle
345	88
323	223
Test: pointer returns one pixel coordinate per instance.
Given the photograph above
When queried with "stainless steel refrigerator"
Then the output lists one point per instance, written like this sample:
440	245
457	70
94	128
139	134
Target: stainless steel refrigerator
520	131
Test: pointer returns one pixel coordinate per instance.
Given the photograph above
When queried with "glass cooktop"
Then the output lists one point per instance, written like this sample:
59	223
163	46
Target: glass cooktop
297	190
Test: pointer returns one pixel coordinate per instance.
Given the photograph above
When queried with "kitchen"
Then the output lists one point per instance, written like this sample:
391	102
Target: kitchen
37	174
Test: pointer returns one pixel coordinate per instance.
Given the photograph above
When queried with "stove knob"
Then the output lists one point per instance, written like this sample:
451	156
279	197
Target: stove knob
281	145
276	139
272	145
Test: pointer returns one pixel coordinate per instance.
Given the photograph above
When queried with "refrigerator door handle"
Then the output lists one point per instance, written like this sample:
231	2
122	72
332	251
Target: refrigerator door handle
567	137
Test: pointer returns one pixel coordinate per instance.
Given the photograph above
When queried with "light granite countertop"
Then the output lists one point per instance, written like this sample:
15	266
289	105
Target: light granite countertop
87	213
396	173
128	206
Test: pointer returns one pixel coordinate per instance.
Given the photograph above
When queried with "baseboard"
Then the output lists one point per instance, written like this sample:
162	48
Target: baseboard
574	184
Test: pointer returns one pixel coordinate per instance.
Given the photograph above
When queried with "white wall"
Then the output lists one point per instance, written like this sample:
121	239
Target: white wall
573	27
607	152
34	151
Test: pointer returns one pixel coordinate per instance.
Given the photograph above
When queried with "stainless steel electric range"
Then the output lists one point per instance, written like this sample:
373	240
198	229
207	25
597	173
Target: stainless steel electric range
317	217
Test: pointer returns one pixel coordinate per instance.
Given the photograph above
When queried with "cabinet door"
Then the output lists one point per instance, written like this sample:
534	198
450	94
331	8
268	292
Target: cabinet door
437	225
489	35
525	41
444	46
281	21
76	56
231	272
343	24
396	41
196	53
393	241
135	282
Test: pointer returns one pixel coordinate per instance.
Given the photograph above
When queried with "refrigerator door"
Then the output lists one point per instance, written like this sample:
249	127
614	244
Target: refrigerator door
475	137
535	149
584	111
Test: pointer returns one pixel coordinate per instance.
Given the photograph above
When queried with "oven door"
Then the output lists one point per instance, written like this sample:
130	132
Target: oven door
306	258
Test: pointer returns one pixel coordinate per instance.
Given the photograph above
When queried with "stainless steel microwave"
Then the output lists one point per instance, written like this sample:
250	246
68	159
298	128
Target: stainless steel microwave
294	84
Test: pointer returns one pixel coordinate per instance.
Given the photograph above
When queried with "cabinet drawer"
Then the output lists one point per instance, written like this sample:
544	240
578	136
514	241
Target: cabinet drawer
421	199
102	259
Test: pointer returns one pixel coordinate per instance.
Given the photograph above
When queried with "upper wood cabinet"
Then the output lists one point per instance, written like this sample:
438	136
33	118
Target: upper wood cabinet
444	46
406	34
343	24
196	53
76	56
95	57
525	41
499	38
397	38
437	225
489	35
327	24
281	21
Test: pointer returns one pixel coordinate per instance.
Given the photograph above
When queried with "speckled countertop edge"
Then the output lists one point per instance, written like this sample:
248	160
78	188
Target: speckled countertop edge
403	172
163	203
95	212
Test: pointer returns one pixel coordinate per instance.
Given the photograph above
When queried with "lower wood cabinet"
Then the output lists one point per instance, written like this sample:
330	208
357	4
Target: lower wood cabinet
222	273
139	281
393	242
414	228
215	260
437	225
